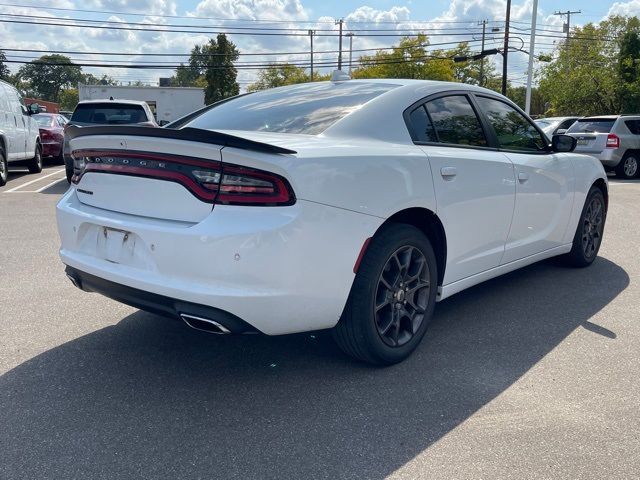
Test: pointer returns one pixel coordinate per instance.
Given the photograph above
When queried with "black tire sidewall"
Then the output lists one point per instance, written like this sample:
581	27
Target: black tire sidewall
382	246
620	168
5	162
577	252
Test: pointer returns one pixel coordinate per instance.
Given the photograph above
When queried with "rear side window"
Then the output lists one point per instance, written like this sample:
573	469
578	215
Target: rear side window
633	126
566	124
109	114
455	121
513	130
421	125
592	125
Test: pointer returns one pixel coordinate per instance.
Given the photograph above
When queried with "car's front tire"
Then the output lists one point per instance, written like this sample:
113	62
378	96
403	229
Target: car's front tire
35	164
392	298
588	236
629	166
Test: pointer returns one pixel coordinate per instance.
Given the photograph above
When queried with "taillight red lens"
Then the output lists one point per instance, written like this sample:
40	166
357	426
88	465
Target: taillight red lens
45	135
210	181
613	141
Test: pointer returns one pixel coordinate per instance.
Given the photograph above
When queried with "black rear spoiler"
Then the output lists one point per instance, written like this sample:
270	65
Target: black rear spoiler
189	134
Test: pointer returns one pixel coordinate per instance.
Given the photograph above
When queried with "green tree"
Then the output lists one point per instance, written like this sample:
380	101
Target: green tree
409	59
90	79
283	74
219	72
5	73
68	99
49	74
592	73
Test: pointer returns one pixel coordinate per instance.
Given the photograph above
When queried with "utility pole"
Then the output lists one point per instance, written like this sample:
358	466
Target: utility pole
311	32
567	27
532	46
350	51
340	22
506	48
484	28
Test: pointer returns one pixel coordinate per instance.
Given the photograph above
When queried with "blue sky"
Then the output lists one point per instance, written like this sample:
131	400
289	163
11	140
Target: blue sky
398	15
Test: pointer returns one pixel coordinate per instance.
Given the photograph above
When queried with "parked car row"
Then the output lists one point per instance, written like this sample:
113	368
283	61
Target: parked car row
20	141
612	139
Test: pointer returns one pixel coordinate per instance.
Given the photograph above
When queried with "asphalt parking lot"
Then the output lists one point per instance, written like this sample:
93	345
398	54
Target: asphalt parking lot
532	375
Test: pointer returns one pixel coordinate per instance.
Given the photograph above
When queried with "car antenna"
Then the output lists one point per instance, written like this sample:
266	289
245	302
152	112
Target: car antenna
339	76
110	98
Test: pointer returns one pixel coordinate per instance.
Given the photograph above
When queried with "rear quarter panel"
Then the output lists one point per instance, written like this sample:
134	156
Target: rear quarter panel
587	171
376	178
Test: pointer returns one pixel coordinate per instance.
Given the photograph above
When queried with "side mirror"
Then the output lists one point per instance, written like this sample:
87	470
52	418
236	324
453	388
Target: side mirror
563	143
34	108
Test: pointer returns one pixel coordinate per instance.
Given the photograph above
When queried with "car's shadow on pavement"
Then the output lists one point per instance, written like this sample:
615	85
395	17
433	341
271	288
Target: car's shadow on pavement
150	398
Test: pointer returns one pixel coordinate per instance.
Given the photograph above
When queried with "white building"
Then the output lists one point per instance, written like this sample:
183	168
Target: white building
167	103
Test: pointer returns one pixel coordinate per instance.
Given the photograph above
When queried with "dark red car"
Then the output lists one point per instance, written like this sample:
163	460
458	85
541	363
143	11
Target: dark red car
51	134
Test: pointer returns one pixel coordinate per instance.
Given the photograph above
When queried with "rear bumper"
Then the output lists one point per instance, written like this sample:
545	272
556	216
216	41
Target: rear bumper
152	302
52	149
280	269
609	157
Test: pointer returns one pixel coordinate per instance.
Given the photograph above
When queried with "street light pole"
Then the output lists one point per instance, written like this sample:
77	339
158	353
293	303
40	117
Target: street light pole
340	22
532	46
311	32
350	35
484	28
506	49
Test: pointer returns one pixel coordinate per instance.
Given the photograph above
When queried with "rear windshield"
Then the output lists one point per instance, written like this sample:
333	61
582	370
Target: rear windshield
43	120
592	125
308	108
108	114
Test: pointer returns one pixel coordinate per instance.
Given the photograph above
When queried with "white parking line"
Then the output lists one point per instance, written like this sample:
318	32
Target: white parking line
14	189
50	185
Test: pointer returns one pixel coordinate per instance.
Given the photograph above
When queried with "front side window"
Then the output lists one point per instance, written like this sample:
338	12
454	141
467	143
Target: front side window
455	121
514	130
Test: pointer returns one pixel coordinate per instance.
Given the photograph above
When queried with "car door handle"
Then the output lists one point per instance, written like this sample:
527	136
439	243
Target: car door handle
448	172
523	177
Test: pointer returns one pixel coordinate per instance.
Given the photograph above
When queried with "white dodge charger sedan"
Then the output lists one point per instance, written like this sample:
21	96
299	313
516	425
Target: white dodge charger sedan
354	205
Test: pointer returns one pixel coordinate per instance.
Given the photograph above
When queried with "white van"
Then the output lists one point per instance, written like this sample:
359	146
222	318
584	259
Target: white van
19	133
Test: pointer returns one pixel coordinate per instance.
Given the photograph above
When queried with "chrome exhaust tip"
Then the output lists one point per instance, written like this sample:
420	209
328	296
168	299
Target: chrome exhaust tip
204	324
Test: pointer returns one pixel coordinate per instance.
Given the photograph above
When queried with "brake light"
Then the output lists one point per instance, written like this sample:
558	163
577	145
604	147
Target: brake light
45	135
208	180
613	141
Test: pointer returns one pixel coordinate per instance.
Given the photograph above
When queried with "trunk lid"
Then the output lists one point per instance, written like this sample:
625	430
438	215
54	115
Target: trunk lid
152	172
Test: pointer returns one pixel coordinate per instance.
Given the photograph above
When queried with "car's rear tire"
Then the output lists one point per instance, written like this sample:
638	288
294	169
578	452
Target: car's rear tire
4	168
629	166
35	164
588	236
392	298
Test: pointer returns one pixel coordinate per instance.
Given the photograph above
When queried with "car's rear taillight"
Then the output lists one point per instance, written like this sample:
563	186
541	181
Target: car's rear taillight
613	141
210	181
45	135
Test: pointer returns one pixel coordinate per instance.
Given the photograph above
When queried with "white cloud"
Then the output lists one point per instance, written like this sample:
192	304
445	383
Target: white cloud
630	8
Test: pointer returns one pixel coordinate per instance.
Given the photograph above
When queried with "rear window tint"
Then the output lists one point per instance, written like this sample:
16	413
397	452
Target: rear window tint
421	125
592	125
109	114
307	108
633	126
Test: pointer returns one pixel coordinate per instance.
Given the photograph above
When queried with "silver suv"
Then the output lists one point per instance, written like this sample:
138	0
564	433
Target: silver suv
612	139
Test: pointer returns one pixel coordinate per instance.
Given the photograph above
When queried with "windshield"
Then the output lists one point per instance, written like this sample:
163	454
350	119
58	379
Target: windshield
305	108
592	125
543	123
108	114
43	120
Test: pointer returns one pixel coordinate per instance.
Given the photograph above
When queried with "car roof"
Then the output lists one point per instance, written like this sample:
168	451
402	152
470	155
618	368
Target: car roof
115	101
